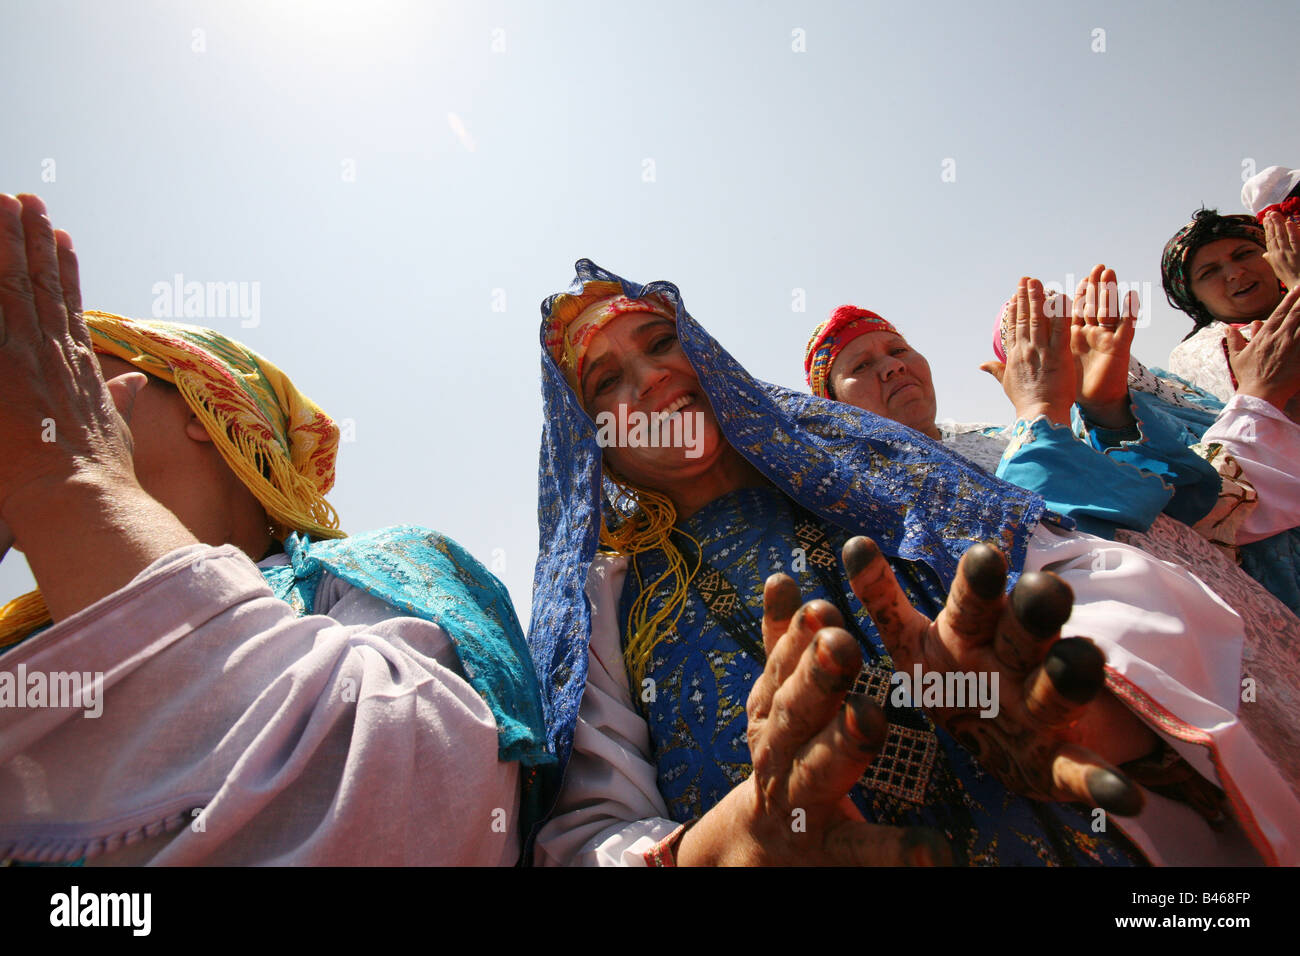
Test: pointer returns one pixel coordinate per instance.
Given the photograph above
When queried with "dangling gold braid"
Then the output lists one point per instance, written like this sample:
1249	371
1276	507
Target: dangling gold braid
648	527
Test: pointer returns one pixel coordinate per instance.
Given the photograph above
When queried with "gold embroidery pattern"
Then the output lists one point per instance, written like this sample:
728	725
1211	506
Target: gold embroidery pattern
904	766
813	539
719	596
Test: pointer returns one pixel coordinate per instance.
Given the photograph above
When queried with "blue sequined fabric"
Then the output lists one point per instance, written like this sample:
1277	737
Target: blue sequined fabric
702	677
850	467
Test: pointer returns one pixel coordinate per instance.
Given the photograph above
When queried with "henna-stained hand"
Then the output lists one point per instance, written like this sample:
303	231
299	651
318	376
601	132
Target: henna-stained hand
809	745
1101	337
1268	366
1039	375
1046	684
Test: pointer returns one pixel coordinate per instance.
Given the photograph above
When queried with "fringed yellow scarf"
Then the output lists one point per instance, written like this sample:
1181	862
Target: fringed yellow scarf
279	443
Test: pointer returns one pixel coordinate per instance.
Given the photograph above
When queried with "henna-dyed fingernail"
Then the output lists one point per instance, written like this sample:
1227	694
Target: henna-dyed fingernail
859	552
986	570
1114	793
824	613
923	846
1077	669
836	659
867	721
782	596
1042	603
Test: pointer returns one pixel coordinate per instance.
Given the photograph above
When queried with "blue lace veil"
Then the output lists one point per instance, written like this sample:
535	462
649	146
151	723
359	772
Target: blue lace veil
865	473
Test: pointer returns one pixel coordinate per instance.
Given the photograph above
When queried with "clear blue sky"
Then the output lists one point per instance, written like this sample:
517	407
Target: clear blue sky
406	181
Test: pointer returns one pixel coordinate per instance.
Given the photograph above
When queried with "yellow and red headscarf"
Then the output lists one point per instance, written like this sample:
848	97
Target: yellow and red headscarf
828	340
574	319
275	438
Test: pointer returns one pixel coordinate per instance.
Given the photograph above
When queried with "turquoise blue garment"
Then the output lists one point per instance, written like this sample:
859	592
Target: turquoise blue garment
1108	479
1101	494
428	576
1158	445
1273	562
1208	404
1139	473
704	670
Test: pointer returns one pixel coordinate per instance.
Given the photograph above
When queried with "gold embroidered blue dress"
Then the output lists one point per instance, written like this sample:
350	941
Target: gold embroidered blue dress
704	670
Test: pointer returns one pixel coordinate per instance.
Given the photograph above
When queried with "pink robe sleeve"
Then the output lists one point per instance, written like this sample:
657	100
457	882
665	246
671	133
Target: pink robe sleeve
232	732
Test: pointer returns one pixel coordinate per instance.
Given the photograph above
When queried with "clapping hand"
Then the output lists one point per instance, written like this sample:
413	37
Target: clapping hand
1039	376
1282	247
1268	366
68	489
1101	337
57	417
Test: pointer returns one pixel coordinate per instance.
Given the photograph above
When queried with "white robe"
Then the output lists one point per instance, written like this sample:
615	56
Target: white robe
1266	444
233	732
1200	360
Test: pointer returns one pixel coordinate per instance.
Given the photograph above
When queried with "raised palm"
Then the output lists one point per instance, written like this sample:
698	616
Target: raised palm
1101	338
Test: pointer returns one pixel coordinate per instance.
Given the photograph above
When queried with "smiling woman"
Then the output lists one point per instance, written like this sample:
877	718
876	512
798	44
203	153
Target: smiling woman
627	363
1234	281
1214	270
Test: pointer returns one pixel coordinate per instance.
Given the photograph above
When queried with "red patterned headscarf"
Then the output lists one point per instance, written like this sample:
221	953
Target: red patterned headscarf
845	324
575	319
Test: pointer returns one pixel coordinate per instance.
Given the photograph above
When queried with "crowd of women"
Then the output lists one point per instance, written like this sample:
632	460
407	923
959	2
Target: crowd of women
751	650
